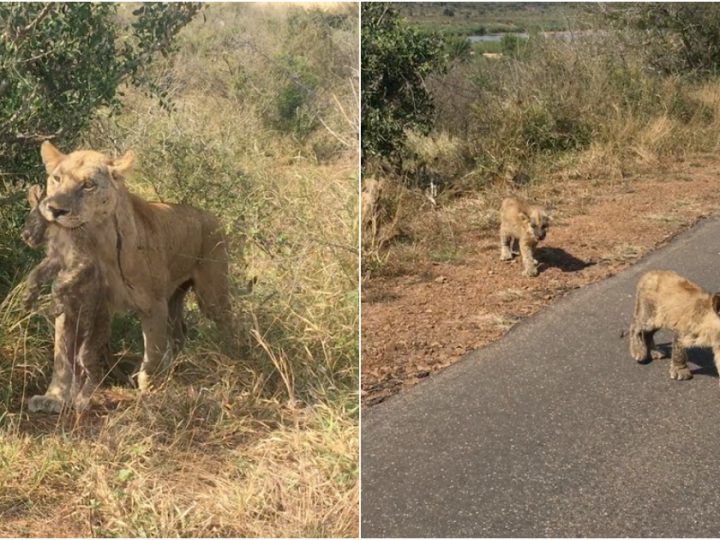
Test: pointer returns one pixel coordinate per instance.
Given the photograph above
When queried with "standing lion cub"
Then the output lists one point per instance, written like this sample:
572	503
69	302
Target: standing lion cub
664	299
526	223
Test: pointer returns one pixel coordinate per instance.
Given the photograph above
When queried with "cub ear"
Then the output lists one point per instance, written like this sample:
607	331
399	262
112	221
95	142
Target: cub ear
524	217
51	156
34	196
121	166
716	303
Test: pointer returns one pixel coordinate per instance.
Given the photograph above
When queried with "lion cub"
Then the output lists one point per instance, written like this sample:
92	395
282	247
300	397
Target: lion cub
526	223
80	295
664	299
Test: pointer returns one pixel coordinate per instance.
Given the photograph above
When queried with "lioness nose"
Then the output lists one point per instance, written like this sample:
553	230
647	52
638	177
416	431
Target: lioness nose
57	212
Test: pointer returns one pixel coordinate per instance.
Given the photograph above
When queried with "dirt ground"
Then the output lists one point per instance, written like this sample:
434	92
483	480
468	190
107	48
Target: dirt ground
418	323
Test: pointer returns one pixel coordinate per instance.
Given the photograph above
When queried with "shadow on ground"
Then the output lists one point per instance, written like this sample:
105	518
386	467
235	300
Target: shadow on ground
559	258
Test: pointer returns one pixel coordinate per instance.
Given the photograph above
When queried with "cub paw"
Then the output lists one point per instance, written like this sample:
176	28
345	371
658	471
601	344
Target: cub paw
28	300
506	256
48	404
656	354
680	373
531	272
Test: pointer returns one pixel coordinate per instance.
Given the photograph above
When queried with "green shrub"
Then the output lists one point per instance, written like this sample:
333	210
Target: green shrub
60	62
396	59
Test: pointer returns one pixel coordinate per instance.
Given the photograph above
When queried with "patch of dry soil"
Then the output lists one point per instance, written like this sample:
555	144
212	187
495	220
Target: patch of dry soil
415	325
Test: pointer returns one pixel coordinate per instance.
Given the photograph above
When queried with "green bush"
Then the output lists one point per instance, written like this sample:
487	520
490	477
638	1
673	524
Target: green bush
295	99
396	59
60	62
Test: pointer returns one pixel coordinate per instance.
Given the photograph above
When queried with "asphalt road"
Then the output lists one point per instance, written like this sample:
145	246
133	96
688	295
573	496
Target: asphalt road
555	430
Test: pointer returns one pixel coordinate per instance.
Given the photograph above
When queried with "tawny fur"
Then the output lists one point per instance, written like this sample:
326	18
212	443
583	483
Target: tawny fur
80	297
664	299
150	254
35	234
525	223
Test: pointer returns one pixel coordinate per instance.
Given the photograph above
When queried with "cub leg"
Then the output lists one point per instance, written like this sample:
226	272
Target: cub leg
529	262
642	344
642	332
506	242
678	362
716	358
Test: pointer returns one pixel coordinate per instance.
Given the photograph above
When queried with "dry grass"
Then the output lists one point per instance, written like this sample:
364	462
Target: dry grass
529	123
265	443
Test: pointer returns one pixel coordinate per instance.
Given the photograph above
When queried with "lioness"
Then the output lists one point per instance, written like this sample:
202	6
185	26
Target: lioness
149	253
528	224
664	299
80	296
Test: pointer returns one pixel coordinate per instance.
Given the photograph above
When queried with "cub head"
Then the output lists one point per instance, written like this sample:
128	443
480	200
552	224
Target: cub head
34	232
537	222
82	187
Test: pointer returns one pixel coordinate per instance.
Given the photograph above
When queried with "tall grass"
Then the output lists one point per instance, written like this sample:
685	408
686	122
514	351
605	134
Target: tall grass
548	110
262	132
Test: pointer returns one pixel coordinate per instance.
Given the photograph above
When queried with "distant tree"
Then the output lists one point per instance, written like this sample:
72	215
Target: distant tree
60	62
396	59
675	37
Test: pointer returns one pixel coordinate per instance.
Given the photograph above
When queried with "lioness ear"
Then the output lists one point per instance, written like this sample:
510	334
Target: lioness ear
34	196
121	166
716	303
51	156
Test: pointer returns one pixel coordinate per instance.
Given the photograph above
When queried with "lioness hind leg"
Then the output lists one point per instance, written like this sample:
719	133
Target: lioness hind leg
210	283
678	362
176	321
214	302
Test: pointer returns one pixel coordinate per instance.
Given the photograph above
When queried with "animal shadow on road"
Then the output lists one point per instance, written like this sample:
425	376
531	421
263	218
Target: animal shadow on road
559	258
702	357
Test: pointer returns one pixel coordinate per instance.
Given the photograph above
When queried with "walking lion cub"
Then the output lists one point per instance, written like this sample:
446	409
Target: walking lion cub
526	223
664	299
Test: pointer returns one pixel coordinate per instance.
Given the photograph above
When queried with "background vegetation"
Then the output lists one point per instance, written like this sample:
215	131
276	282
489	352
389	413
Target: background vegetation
251	113
621	91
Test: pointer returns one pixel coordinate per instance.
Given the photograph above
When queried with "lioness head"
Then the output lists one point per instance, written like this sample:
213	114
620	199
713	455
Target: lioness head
34	231
537	222
82	186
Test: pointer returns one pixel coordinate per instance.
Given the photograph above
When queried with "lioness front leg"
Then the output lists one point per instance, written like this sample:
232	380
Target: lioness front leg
158	353
529	262
57	395
678	362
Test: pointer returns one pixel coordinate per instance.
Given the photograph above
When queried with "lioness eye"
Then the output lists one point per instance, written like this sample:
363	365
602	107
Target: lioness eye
89	186
56	178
